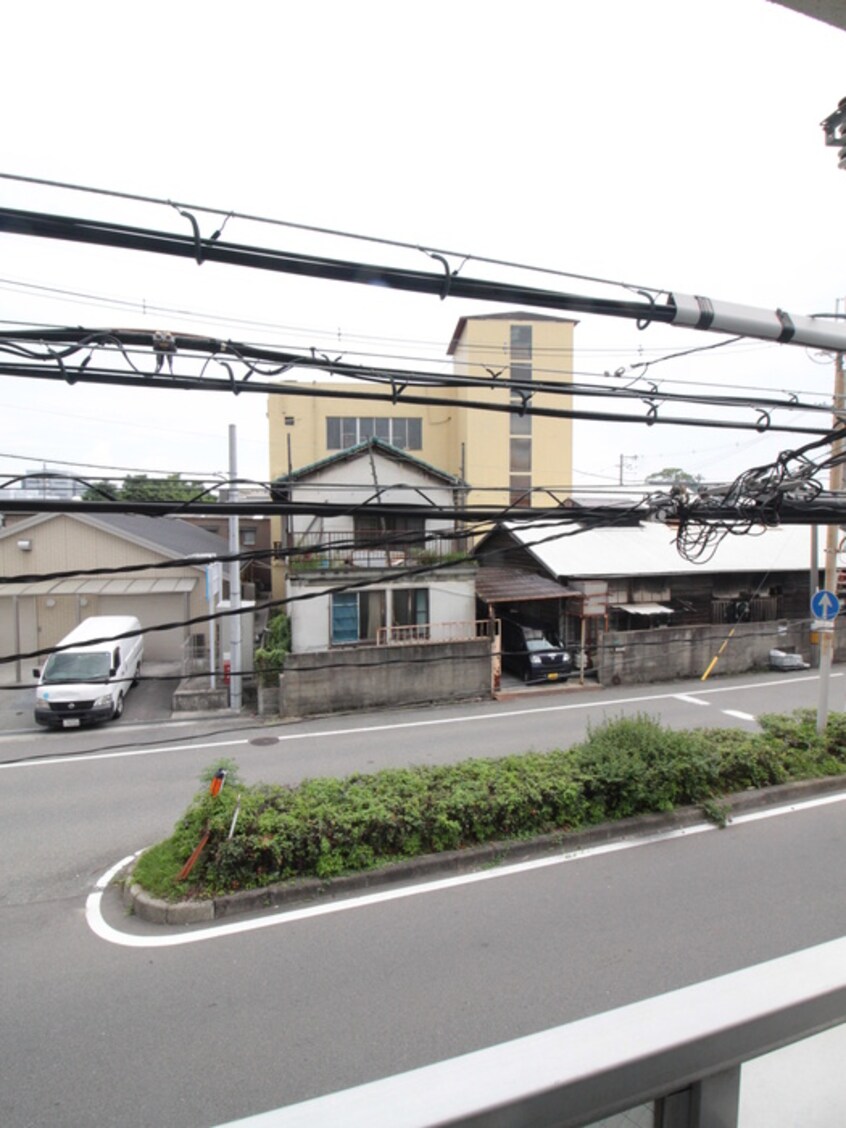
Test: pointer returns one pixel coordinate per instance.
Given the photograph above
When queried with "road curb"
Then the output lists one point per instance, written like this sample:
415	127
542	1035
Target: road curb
156	911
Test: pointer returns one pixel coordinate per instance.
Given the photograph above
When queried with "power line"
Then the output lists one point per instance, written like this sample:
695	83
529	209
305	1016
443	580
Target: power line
259	379
316	230
34	459
336	338
691	311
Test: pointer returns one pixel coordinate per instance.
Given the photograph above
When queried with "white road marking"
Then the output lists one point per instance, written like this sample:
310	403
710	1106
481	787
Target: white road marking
467	718
98	925
85	757
737	713
691	700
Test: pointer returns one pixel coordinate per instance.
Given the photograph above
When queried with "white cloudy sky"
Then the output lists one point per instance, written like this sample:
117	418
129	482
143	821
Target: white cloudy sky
667	143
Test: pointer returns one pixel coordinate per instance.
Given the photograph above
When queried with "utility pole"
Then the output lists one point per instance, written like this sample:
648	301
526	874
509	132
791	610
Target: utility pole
827	634
624	458
235	679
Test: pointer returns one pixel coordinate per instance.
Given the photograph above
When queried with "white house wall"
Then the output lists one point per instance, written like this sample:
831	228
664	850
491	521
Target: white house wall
451	600
352	482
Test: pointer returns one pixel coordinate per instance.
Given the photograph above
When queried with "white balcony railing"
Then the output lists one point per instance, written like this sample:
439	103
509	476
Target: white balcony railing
683	1051
458	631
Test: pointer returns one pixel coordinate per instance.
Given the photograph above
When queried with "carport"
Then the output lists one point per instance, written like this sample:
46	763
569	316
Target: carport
524	594
38	614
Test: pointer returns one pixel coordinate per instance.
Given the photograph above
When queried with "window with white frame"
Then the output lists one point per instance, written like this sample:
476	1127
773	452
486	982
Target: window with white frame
343	431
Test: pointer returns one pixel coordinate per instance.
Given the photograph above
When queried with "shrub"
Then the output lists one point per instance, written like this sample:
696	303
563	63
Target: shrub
327	826
269	658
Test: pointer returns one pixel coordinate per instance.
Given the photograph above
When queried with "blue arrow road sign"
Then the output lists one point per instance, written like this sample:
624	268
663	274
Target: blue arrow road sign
824	605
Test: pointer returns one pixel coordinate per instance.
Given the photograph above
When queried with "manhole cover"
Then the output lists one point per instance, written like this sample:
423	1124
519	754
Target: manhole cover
265	740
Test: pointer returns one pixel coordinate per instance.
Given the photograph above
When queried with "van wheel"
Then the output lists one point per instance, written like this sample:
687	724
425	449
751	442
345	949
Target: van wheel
118	707
137	677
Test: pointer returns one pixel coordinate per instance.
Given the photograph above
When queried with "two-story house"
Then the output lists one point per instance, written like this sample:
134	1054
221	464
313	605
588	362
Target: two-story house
381	594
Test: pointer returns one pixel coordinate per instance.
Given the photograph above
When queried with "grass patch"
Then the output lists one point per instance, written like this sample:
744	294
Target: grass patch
326	827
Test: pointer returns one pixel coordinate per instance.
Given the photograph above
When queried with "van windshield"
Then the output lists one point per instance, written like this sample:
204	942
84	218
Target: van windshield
70	667
536	640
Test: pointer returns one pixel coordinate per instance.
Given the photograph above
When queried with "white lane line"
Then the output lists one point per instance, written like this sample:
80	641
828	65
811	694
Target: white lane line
98	925
691	700
467	718
86	757
737	713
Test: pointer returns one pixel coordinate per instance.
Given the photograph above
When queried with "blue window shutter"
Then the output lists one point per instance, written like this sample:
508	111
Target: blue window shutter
345	617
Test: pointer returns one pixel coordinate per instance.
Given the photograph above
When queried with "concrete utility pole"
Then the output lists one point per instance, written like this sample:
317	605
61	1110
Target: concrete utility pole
827	634
235	680
626	458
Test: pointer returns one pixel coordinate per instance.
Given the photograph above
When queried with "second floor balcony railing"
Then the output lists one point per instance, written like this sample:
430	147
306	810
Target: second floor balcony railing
308	551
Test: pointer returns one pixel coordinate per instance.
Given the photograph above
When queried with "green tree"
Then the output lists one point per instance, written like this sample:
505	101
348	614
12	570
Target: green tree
101	491
139	487
673	476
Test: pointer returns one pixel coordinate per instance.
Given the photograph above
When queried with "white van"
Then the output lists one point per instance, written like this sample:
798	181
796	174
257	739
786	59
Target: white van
88	681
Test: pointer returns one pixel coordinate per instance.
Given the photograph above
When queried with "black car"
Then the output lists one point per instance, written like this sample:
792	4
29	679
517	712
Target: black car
529	653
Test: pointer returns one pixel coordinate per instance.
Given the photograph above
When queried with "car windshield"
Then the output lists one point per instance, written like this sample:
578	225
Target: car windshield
535	640
70	667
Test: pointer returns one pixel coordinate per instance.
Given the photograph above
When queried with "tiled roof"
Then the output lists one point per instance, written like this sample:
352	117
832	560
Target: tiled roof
353	452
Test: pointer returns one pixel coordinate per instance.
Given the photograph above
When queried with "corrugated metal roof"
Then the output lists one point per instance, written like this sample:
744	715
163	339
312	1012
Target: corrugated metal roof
511	585
643	608
165	586
650	550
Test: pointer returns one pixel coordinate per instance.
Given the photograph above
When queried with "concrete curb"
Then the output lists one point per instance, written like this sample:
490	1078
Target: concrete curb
155	911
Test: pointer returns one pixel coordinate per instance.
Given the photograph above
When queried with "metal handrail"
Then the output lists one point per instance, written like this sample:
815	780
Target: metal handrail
695	1038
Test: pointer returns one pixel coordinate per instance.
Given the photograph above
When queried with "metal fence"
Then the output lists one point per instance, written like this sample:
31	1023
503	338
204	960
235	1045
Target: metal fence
349	550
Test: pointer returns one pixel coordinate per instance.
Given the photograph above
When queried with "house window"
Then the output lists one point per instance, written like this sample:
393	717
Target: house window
521	456
343	431
357	616
374	528
248	537
520	450
410	607
521	342
520	374
520	489
521	424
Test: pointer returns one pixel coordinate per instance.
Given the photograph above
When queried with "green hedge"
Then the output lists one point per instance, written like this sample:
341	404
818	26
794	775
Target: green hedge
325	827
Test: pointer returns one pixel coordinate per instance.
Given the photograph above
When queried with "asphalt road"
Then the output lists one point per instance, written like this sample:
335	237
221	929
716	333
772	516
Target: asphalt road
195	1033
149	701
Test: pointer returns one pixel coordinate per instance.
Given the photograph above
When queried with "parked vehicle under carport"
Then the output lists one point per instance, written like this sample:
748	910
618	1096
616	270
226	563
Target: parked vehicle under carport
528	653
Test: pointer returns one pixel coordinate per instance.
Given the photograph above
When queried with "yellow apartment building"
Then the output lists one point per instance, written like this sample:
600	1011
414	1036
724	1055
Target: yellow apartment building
502	455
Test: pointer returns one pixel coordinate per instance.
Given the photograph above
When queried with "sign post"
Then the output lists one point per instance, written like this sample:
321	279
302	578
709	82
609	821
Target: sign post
824	607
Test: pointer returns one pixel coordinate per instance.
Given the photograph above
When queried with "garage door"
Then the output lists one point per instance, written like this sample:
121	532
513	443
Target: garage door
150	610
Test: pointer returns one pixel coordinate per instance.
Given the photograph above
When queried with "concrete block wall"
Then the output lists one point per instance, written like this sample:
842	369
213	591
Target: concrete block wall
332	681
667	653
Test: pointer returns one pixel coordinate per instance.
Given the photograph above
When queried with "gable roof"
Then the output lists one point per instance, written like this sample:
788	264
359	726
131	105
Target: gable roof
349	454
167	535
573	550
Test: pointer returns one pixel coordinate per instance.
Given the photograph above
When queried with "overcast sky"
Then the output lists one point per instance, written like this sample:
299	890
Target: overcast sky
663	143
